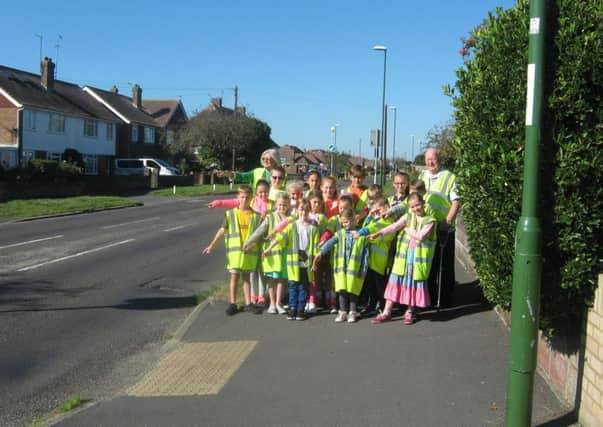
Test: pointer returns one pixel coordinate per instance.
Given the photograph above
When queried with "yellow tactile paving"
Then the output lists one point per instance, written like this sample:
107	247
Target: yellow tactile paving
194	369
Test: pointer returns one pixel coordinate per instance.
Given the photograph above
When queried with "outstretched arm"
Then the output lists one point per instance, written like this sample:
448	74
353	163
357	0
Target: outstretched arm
223	203
217	237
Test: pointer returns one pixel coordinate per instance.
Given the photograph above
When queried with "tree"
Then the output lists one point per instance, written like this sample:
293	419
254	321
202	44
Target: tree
213	135
442	137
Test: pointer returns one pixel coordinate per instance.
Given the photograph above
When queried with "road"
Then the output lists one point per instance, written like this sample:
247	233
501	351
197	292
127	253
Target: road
86	301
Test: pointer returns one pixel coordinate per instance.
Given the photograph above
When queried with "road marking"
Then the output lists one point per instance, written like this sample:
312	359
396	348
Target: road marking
177	227
31	267
58	236
194	369
106	227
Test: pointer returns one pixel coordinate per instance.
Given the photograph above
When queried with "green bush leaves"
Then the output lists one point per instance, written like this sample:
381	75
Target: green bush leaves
489	101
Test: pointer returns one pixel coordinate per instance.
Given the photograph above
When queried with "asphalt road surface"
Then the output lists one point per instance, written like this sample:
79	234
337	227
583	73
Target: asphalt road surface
86	301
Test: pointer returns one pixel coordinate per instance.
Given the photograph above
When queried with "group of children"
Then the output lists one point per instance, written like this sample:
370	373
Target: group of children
333	252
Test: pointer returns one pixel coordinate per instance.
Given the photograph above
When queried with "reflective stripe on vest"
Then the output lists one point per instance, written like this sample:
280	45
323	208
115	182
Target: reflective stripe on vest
423	252
349	277
438	192
235	258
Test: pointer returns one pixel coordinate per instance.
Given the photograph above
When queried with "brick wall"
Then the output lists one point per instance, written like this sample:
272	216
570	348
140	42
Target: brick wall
8	122
591	399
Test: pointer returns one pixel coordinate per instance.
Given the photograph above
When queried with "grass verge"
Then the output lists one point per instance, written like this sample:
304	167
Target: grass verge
31	208
68	405
213	292
192	190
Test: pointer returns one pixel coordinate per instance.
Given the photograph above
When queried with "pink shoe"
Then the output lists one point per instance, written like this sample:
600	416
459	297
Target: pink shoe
254	299
261	300
381	318
409	318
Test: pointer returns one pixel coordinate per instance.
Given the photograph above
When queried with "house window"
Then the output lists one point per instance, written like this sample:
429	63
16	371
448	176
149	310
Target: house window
56	123
29	120
90	165
54	156
90	128
27	157
169	137
109	132
134	133
149	135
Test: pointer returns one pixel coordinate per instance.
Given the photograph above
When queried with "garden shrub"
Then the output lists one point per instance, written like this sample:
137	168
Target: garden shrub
42	169
489	101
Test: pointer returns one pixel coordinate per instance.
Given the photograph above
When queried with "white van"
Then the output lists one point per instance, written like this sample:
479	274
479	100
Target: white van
143	166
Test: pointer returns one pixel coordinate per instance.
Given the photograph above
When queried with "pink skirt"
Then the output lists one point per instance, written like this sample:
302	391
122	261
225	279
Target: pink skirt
406	291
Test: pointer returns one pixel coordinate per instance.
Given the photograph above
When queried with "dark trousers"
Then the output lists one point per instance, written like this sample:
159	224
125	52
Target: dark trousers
347	301
447	239
298	291
373	290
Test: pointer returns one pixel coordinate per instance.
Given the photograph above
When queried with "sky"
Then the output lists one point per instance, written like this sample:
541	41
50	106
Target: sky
302	67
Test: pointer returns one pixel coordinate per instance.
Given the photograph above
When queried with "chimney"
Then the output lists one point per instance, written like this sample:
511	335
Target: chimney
114	89
47	73
137	96
217	102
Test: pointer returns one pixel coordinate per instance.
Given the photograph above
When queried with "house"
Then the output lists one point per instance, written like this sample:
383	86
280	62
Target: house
40	117
137	132
170	116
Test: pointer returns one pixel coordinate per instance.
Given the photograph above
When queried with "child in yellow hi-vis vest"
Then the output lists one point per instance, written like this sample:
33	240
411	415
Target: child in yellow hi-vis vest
238	224
415	248
300	238
350	264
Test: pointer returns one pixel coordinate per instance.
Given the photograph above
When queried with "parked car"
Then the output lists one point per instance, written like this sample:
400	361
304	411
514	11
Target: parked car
143	166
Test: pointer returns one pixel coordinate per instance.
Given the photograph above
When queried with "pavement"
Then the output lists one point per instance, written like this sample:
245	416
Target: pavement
448	369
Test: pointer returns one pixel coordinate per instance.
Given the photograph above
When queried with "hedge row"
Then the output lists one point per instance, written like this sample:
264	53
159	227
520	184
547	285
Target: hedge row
489	100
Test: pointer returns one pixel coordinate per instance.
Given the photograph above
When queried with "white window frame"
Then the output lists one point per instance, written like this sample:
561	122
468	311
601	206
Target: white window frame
109	132
29	120
149	135
90	164
134	133
54	156
56	123
91	128
169	137
28	155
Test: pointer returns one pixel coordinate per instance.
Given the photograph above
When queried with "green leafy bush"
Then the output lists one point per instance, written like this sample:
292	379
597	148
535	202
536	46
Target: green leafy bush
42	169
489	100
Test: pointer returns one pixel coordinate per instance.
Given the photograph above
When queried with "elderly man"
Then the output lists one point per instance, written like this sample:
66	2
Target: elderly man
445	202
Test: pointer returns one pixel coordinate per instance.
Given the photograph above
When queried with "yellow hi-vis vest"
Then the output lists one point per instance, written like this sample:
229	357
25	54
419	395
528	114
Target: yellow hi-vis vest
273	262
423	253
235	257
349	277
379	248
290	238
438	193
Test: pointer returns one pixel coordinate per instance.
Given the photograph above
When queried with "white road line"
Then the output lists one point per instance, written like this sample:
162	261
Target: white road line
177	227
58	236
106	227
31	267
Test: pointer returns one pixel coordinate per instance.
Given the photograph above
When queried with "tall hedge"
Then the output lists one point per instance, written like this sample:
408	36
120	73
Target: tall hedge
489	98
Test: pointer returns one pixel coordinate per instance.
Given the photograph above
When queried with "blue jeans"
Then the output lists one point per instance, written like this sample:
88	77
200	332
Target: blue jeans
298	291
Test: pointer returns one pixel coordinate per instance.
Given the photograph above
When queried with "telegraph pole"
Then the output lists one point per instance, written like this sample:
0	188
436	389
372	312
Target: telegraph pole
527	265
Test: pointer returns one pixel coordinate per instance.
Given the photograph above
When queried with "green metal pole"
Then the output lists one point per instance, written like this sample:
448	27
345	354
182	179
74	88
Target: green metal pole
527	264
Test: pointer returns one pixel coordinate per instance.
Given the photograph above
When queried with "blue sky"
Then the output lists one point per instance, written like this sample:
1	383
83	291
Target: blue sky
300	66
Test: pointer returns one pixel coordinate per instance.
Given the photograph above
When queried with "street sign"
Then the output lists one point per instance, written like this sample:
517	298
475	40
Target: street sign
375	136
332	148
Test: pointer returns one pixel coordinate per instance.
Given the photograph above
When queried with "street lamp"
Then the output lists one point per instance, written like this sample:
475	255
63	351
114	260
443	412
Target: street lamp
393	107
412	152
333	148
383	136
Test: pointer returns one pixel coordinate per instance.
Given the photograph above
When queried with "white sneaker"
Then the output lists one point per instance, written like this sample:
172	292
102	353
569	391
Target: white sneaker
271	310
353	317
333	310
311	308
341	316
280	309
